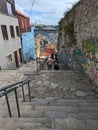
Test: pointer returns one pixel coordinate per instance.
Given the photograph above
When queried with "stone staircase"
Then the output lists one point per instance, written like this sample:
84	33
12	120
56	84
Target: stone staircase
51	109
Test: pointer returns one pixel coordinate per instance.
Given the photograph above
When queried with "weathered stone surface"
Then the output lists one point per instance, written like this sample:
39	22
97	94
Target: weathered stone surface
54	105
92	124
81	94
46	83
70	123
53	85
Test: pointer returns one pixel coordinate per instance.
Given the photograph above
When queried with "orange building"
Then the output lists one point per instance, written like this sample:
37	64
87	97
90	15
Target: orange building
48	50
37	45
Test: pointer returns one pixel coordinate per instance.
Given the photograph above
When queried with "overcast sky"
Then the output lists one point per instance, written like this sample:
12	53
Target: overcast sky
48	12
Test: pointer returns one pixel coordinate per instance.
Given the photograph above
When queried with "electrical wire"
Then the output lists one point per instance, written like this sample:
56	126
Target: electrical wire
33	2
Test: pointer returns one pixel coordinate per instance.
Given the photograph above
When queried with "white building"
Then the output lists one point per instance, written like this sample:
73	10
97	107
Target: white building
10	43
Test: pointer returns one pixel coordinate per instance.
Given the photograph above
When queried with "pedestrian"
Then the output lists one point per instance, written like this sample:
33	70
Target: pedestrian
50	63
53	55
68	61
56	65
56	56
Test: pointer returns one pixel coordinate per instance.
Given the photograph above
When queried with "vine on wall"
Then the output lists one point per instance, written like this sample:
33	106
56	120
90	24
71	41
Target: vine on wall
69	30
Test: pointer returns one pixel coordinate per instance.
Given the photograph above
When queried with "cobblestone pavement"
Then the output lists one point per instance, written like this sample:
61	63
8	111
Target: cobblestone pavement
12	76
64	84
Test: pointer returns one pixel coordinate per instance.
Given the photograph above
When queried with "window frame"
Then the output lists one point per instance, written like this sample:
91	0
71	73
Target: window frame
9	8
4	32
17	31
12	33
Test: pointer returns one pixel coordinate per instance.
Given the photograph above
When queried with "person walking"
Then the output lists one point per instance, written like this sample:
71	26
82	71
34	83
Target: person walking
50	63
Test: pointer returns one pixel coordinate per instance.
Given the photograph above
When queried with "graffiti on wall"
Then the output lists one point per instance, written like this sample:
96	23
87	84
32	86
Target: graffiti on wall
90	45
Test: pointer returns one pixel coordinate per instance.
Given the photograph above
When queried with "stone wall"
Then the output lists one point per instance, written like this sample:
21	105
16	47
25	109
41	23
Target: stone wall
85	17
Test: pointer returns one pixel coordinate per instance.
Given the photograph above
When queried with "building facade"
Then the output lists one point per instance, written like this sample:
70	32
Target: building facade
37	45
10	44
28	46
24	22
27	37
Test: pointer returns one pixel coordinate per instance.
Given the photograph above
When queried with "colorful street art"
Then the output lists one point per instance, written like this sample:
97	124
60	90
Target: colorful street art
91	45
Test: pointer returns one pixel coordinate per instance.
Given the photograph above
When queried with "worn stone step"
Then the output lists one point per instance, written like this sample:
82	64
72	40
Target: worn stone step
26	123
20	125
43	129
63	102
64	115
56	101
25	111
77	101
69	129
70	123
57	108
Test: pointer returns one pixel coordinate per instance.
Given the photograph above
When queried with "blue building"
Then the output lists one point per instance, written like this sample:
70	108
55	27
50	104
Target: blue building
28	46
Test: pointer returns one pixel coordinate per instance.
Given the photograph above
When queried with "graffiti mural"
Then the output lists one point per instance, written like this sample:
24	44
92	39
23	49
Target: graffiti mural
91	46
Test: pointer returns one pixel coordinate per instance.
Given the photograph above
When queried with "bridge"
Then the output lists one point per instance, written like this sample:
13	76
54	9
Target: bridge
50	34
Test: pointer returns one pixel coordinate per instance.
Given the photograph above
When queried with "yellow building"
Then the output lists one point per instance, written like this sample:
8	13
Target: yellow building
37	44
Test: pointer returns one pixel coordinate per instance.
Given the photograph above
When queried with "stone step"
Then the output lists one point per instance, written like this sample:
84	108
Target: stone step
69	123
26	123
64	115
22	126
62	102
74	124
68	129
38	106
44	129
25	111
52	112
57	108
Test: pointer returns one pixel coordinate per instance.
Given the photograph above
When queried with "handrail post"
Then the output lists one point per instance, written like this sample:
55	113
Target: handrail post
23	93
29	91
18	109
37	65
8	105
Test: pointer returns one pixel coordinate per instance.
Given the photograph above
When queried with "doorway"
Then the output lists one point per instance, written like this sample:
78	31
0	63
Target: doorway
16	59
20	54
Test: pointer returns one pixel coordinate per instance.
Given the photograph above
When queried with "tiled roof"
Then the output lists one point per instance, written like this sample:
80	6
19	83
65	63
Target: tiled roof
19	13
46	52
51	46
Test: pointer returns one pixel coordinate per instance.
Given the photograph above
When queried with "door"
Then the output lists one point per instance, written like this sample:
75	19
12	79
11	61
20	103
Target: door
20	54
16	59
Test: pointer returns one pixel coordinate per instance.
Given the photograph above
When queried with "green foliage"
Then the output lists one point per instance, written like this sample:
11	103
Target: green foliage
45	42
69	30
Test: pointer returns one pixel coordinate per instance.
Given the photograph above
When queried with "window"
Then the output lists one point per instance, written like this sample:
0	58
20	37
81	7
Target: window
9	58
12	31
17	31
4	32
9	8
22	24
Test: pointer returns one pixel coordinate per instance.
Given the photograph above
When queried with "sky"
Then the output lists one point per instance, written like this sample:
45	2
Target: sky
47	12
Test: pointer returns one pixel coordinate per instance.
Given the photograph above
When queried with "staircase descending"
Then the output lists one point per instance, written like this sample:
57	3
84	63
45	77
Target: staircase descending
60	100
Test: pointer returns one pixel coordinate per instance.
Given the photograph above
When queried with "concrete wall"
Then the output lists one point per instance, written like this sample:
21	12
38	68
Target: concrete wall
8	46
28	46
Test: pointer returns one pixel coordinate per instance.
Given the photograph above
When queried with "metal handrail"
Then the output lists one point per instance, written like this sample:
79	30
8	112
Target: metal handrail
13	87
